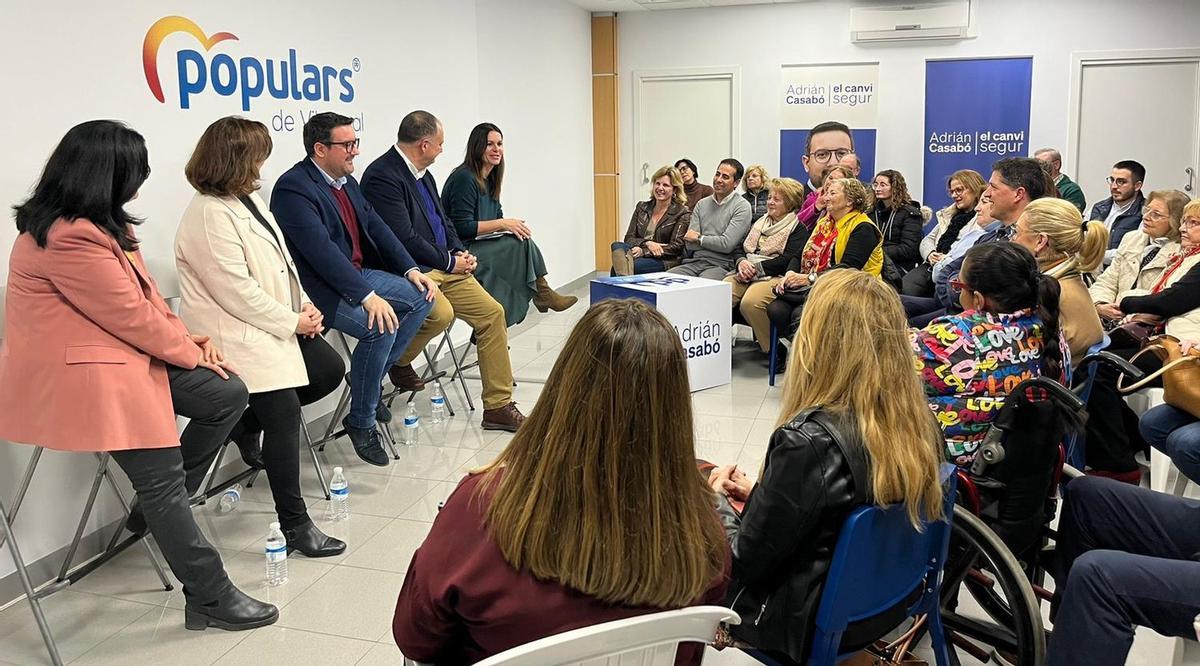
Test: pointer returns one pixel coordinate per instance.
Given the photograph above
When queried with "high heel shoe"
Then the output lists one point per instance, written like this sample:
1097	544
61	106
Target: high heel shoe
232	611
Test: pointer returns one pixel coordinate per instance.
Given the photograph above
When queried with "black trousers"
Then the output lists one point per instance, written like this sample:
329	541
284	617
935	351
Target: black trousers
214	405
918	281
784	312
1112	428
277	414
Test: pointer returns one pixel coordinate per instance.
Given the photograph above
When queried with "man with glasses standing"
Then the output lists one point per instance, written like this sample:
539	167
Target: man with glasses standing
828	144
1121	212
349	262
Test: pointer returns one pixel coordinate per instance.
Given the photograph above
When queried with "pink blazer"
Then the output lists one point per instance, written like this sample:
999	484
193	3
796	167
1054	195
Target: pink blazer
83	365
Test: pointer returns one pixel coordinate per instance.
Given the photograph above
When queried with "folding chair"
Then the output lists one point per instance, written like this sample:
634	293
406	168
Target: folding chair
35	604
333	429
456	359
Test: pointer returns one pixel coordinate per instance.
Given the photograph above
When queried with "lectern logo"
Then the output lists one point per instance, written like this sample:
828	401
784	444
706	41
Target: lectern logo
248	76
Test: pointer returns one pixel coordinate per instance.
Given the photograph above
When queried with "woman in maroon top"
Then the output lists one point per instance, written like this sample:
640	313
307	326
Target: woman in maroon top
594	512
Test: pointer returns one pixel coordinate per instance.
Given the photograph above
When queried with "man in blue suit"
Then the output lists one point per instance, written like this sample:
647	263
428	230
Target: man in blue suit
350	264
401	188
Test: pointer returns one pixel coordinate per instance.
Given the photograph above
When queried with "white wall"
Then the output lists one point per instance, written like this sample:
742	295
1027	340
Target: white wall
758	39
464	60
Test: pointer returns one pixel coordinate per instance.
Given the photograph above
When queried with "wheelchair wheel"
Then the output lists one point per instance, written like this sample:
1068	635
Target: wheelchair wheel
1008	621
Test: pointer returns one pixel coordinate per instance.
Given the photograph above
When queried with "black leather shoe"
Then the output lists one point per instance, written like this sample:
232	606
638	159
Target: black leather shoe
233	611
367	446
310	541
382	413
250	445
136	522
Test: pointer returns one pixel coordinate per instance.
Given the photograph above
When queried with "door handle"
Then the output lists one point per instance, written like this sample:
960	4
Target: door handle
1191	175
645	169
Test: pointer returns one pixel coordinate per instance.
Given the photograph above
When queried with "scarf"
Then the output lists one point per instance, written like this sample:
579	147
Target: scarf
808	212
957	222
819	248
1173	265
768	238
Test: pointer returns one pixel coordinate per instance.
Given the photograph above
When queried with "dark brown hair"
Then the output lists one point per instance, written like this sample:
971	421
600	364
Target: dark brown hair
225	161
473	161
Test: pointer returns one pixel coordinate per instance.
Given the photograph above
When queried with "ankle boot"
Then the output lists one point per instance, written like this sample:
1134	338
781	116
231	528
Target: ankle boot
548	299
622	262
233	611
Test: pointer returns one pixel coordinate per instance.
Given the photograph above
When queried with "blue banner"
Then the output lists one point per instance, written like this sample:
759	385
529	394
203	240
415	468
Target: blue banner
791	152
976	112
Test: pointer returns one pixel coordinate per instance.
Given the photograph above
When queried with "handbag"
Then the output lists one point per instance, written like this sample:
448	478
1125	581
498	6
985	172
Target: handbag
1131	335
1180	373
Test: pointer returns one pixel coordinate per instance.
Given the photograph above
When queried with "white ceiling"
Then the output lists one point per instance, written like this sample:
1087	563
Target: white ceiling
652	5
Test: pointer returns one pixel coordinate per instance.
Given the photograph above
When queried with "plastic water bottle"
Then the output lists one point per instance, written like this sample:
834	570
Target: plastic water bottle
230	499
339	495
437	404
411	422
277	573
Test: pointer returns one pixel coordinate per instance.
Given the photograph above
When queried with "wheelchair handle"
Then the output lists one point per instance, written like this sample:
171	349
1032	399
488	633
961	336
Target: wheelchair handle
1112	360
1058	392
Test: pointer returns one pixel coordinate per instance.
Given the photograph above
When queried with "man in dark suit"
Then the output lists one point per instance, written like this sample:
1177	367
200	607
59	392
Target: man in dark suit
401	188
349	263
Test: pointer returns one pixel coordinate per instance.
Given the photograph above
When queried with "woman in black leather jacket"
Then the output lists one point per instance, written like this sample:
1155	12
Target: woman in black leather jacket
854	429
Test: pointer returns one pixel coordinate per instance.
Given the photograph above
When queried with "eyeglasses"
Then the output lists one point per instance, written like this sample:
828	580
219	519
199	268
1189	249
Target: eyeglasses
957	191
957	284
1120	182
347	145
1189	222
824	156
1154	215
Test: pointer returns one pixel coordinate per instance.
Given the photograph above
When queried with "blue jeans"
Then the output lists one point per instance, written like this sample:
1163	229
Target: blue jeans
375	351
641	265
1126	557
1175	433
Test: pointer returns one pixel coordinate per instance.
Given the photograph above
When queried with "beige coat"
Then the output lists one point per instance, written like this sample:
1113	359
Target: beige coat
1123	273
240	286
1078	318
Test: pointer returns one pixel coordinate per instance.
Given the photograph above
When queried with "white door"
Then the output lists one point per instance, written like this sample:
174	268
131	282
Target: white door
1144	109
681	115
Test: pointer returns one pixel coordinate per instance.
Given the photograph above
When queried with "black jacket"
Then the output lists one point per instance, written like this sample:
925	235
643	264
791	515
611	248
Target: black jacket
783	541
391	188
902	231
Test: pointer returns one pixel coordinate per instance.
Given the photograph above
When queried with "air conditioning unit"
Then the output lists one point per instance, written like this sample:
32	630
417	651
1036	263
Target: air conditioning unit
954	19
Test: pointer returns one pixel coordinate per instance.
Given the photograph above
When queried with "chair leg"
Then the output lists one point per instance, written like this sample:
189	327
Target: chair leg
458	372
336	417
385	433
1181	483
772	356
937	635
35	605
83	519
316	461
212	475
434	375
30	468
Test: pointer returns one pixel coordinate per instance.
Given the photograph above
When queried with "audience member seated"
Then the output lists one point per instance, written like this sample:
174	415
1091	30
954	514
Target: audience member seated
694	189
773	242
1142	255
719	225
399	185
898	218
1067	188
1015	182
654	241
350	264
755	185
511	267
853	163
965	188
1066	248
828	143
1127	557
1122	211
1174	431
593	512
1171	305
844	238
1006	333
241	289
852	431
94	360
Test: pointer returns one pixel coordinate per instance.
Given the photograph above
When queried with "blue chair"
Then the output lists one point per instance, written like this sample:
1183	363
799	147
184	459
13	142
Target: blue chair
1076	443
771	356
879	562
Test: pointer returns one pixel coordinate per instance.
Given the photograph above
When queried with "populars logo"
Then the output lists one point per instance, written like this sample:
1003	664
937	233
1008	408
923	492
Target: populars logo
248	77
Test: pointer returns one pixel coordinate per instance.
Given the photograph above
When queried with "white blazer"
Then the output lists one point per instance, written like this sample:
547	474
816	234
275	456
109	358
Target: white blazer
1125	271
239	286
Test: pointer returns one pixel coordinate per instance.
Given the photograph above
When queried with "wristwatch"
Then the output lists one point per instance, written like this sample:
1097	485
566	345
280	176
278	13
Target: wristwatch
812	277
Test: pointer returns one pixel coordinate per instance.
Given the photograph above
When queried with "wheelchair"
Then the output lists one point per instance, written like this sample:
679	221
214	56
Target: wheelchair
1001	537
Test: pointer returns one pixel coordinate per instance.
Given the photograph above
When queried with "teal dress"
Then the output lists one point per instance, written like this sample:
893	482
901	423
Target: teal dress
508	267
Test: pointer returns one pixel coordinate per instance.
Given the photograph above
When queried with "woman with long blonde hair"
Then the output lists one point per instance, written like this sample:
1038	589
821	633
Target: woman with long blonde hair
854	429
593	512
1066	247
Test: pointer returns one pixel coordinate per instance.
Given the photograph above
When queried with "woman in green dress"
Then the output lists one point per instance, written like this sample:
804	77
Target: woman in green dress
511	267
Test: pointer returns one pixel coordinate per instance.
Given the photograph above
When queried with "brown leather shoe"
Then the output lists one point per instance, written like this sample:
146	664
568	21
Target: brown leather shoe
405	378
548	299
507	418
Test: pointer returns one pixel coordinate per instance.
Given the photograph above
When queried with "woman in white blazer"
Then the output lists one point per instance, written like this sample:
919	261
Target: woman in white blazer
1142	254
240	287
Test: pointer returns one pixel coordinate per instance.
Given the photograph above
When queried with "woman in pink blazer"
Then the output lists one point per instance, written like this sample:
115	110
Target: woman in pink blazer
93	359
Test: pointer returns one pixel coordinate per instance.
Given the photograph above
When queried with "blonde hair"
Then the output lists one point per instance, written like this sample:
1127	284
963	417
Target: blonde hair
1177	206
852	356
1060	222
857	195
762	174
971	180
598	490
790	190
1192	208
678	195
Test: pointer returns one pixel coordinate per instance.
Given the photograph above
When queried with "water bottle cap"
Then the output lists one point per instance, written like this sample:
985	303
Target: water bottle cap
274	525
337	470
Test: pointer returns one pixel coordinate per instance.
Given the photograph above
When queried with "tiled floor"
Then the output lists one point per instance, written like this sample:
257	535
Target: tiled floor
340	609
